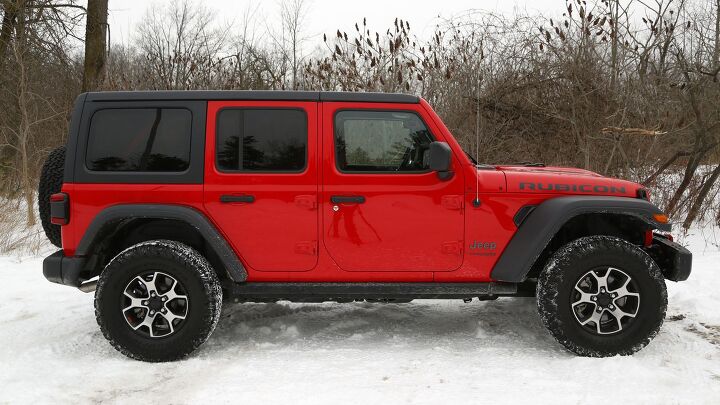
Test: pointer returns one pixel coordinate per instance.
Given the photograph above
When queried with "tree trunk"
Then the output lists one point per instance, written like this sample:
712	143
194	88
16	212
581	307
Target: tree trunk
664	167
615	11
8	25
698	202
294	61
690	170
23	131
95	44
716	50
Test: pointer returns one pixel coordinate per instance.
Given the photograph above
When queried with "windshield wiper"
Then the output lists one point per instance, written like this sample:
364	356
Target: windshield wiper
472	159
529	164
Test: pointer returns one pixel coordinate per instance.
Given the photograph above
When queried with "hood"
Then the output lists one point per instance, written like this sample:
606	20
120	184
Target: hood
548	170
564	180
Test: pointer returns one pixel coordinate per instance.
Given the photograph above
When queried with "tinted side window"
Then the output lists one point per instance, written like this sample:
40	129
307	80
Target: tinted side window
139	140
261	140
381	141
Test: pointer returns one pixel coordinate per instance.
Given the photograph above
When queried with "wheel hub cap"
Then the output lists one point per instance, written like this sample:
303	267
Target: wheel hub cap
155	304
605	301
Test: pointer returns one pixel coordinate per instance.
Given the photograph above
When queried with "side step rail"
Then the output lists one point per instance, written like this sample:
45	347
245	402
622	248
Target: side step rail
262	291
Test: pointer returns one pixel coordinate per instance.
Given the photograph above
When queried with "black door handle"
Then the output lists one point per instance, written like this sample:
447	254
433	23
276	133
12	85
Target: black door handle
225	199
347	199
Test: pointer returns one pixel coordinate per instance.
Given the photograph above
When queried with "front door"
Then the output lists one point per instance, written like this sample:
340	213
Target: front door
261	186
382	208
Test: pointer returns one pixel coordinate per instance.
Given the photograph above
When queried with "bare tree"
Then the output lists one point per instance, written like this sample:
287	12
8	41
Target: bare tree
30	103
95	44
293	15
625	88
181	45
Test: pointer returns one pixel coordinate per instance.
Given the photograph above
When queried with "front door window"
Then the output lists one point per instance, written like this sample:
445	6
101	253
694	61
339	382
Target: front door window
381	141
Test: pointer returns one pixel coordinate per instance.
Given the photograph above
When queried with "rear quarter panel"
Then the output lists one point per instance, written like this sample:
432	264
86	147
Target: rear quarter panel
87	200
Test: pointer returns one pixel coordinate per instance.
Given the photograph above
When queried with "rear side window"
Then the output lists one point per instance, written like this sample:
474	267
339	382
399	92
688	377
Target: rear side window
139	140
261	140
381	141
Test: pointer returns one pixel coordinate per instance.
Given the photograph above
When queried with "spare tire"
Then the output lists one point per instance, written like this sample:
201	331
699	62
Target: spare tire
51	180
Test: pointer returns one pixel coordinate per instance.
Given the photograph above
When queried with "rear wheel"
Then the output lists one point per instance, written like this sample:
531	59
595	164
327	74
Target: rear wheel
158	301
602	296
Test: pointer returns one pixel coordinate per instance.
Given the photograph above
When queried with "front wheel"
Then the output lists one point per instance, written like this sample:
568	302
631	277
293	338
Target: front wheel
602	296
158	301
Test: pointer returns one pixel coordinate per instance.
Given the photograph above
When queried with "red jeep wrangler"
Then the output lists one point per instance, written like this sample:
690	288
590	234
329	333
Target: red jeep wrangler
167	202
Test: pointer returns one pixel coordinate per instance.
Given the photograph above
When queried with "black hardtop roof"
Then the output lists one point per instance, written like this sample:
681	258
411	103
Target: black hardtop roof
268	95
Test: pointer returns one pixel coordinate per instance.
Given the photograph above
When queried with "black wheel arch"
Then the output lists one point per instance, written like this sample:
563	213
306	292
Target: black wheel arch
560	220
121	226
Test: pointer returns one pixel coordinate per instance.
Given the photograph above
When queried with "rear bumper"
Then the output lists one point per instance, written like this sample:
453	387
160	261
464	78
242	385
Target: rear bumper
674	260
63	270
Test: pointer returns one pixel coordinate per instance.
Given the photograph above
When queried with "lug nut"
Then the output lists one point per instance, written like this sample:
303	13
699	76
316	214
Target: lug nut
152	312
164	299
152	294
164	310
144	302
612	307
594	298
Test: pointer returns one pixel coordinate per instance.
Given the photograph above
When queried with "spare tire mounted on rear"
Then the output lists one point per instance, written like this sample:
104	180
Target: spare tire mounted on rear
51	181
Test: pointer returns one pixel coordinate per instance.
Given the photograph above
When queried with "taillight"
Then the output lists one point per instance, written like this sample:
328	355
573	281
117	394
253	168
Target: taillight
59	209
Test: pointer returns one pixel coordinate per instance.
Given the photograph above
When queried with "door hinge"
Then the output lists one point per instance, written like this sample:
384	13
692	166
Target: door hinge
306	248
452	248
306	201
452	202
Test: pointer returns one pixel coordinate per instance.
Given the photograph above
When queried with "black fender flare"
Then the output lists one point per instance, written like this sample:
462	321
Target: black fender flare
114	214
539	226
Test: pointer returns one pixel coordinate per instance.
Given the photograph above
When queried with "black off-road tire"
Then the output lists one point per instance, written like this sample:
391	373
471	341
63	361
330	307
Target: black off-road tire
190	269
51	180
568	265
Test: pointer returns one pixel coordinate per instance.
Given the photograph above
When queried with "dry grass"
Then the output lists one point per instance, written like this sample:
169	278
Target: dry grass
17	237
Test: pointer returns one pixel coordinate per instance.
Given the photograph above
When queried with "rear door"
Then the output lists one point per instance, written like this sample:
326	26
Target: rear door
382	208
261	181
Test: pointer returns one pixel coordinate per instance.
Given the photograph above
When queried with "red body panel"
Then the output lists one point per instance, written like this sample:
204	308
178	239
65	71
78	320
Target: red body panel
87	200
279	230
382	234
412	227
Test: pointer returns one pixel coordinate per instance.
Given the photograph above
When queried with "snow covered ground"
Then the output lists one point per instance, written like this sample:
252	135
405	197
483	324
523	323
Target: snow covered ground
423	352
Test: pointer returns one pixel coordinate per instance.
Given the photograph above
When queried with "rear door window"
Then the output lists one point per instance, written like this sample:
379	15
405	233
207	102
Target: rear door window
261	140
139	140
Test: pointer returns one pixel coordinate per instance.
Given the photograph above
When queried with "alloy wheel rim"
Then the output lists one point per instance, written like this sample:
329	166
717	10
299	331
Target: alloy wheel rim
155	304
605	301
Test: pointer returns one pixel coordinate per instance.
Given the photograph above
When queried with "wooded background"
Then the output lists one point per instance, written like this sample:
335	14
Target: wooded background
624	88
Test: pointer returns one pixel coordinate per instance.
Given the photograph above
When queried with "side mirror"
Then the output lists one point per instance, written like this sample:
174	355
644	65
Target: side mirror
440	159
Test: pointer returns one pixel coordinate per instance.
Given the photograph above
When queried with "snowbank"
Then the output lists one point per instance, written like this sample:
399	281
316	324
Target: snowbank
422	352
